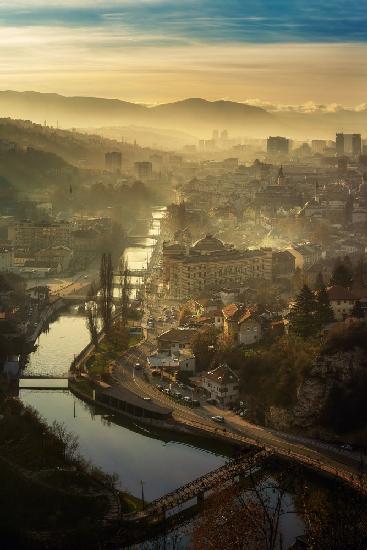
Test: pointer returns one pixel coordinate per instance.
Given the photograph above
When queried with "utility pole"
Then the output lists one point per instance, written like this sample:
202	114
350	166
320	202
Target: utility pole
142	493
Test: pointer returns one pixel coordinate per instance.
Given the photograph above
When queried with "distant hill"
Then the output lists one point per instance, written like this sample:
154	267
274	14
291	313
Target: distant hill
194	116
190	115
145	136
75	148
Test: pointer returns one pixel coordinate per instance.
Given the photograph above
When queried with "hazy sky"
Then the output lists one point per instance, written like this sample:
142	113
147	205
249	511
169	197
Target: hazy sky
281	51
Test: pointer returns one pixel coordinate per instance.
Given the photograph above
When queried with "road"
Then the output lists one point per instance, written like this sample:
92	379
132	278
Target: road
321	456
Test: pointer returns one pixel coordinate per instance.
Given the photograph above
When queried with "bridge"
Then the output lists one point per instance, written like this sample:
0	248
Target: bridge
240	468
44	382
140	237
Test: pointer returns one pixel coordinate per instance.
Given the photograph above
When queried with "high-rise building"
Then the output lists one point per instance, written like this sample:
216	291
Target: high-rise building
277	145
143	169
348	144
113	161
318	146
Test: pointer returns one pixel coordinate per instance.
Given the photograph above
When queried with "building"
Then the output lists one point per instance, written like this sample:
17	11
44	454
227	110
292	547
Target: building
284	264
318	146
222	384
6	259
210	265
277	146
342	301
113	161
57	257
143	170
241	325
183	361
348	144
175	340
306	254
36	236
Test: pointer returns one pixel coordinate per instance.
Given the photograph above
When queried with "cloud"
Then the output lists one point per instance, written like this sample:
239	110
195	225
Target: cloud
207	21
307	107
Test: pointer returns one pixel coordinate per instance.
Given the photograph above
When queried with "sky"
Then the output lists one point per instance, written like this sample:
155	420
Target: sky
268	52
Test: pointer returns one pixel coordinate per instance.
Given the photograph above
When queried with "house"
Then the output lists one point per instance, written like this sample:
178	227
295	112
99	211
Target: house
241	324
58	257
342	301
176	339
222	384
182	361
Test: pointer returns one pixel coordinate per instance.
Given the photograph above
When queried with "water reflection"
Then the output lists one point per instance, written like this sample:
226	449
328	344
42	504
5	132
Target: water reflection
162	464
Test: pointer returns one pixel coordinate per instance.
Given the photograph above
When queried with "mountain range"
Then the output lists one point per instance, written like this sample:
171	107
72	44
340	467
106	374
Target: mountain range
194	116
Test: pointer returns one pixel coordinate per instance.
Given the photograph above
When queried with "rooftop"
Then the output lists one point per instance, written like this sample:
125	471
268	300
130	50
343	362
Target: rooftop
222	374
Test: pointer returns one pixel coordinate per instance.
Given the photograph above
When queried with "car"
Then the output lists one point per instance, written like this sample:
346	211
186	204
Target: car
167	391
187	399
147	398
195	403
137	366
211	401
346	447
177	394
218	418
160	387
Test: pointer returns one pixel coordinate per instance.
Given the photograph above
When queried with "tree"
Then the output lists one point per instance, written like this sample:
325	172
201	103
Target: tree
302	315
319	283
341	275
125	291
91	310
324	312
203	346
357	310
106	292
238	519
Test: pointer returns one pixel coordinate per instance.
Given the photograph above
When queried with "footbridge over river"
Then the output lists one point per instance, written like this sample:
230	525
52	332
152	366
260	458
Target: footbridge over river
232	471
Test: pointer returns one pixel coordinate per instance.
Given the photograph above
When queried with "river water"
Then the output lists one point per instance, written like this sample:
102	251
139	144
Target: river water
157	460
134	453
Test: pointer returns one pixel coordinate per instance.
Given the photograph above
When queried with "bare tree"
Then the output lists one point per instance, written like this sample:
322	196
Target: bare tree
68	441
235	518
106	292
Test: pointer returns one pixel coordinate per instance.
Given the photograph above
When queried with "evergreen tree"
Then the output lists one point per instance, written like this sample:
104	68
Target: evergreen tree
319	283
302	315
341	276
357	310
324	313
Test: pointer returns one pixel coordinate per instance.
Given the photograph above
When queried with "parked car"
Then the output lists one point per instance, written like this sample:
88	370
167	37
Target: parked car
195	403
137	366
219	419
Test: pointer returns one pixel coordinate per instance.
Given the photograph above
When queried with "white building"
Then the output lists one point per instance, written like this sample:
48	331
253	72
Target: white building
6	259
222	384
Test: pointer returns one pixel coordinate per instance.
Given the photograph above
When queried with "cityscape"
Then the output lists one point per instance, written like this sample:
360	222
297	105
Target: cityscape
183	275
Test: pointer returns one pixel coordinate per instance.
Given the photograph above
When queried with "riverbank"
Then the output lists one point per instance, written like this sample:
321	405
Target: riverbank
58	496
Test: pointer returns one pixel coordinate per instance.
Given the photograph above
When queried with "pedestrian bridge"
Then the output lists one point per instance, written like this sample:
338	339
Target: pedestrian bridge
156	511
44	383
